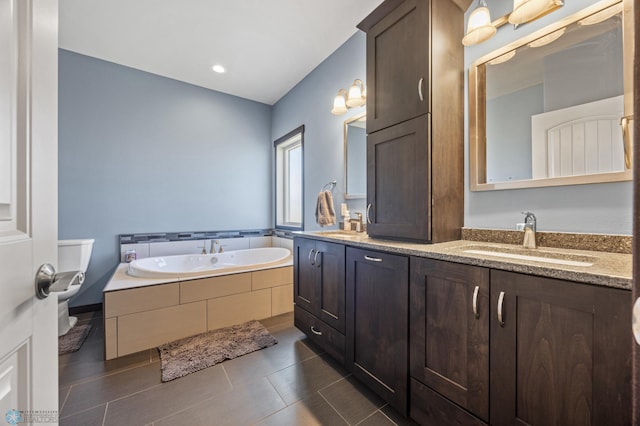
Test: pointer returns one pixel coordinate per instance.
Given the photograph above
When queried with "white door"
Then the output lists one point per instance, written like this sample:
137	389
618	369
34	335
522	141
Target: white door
28	209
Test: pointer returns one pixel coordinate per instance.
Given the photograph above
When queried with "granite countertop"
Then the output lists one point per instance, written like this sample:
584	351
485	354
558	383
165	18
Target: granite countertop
591	267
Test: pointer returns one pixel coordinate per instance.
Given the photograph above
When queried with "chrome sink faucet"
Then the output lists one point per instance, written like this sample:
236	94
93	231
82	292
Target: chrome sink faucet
529	230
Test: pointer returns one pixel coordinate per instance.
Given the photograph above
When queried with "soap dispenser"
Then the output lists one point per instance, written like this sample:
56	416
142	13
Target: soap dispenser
347	221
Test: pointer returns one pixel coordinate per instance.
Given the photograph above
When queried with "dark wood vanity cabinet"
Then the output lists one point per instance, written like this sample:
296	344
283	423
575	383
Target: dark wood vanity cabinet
534	350
560	353
377	322
415	120
319	293
449	339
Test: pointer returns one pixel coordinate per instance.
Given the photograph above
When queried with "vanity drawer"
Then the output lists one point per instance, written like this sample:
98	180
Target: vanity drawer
321	334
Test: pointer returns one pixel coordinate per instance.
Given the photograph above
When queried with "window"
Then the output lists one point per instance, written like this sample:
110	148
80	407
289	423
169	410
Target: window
289	193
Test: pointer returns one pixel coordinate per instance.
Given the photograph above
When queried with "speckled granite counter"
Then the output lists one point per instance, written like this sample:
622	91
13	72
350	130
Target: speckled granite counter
607	269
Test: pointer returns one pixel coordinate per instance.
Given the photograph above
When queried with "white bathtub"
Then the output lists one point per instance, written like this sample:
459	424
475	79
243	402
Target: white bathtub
191	265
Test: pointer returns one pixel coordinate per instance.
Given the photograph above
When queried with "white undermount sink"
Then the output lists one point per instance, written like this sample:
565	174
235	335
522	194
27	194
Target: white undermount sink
532	255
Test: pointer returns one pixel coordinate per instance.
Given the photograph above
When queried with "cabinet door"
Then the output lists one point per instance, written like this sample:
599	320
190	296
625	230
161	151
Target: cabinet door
398	181
561	354
377	322
304	277
449	329
398	66
331	277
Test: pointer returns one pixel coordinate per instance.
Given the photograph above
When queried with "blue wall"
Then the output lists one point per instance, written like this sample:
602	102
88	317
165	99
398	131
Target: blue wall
309	103
596	208
143	153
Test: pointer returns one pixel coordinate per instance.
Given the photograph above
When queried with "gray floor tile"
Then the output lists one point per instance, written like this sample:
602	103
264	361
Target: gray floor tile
352	399
377	419
92	417
242	406
168	398
89	351
396	417
109	388
301	380
292	348
279	322
296	371
154	354
63	392
314	410
88	365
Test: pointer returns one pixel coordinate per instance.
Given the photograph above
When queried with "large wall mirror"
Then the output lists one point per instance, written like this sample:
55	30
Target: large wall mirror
553	108
355	157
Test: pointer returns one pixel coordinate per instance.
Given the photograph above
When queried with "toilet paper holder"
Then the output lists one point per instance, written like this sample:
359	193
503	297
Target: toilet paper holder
47	280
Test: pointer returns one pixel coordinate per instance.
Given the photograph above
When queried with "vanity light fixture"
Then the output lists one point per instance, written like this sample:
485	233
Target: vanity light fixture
355	97
357	94
603	15
339	103
549	38
480	28
528	10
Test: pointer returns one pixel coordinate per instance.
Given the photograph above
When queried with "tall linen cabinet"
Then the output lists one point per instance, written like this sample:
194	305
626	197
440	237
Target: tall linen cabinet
415	146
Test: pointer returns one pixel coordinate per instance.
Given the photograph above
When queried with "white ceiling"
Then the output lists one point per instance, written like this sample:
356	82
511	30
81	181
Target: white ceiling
267	46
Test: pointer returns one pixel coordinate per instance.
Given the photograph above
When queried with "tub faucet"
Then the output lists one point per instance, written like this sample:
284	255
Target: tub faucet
529	230
213	246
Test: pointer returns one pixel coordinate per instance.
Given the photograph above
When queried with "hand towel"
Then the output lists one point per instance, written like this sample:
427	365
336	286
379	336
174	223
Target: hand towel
325	214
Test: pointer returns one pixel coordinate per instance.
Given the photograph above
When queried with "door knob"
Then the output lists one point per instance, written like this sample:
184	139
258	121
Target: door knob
48	281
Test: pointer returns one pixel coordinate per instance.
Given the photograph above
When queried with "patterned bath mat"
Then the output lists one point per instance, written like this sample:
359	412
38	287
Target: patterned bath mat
195	353
73	340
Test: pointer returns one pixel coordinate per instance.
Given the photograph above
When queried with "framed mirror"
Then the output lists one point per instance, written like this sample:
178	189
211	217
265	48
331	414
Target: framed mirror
553	108
355	157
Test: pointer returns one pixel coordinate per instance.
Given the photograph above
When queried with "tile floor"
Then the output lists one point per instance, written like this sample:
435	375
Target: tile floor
291	383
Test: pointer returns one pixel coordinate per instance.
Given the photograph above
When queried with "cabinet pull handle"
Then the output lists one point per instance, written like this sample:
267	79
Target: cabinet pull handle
310	253
316	332
420	89
500	302
368	209
315	259
475	301
373	259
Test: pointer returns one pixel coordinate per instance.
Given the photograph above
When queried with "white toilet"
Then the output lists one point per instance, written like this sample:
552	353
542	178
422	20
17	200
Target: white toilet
73	255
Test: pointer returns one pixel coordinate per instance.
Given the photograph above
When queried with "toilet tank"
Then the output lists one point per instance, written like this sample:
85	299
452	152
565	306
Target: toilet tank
74	255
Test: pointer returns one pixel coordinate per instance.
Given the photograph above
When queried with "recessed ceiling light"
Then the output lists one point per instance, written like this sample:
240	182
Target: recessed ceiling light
218	68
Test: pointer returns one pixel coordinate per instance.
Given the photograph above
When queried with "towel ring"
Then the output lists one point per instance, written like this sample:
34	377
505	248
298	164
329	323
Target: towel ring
329	186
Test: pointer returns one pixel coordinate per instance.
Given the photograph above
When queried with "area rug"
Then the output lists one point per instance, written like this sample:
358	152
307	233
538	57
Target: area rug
73	340
195	353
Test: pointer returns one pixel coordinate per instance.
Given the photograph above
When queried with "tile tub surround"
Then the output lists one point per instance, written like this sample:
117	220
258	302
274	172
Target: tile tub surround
173	243
142	313
592	242
608	269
